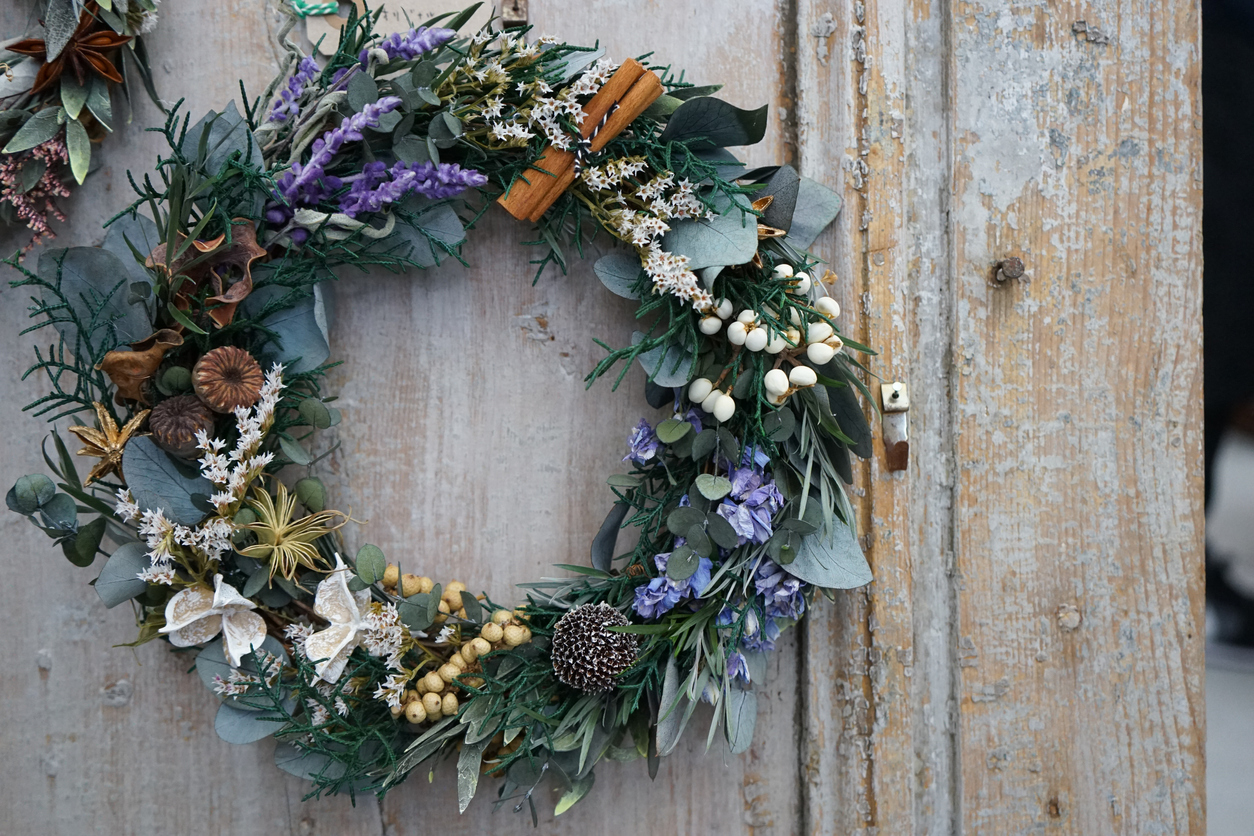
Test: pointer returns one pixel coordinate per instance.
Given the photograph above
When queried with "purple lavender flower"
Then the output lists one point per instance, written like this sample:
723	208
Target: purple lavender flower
379	186
660	595
643	443
309	184
409	45
287	104
783	596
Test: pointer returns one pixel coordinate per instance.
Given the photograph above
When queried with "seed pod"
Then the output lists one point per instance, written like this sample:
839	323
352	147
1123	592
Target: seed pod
817	332
587	656
820	353
397	710
710	325
725	408
802	286
802	376
391	575
416	712
492	633
482	645
827	306
410	585
469	653
775	381
449	672
226	378
449	704
782	271
444	612
502	617
175	421
425	584
514	635
835	342
432	703
736	333
777	344
756	339
699	389
724	309
434	682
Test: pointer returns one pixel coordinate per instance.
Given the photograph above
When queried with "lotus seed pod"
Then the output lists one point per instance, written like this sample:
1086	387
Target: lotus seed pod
425	584
416	712
776	344
802	376
492	633
817	332
724	309
449	705
397	711
433	682
782	271
710	325
820	353
736	333
514	635
431	702
711	399
502	617
827	306
756	339
725	408
410	585
469	653
835	342
482	646
700	389
776	382
747	316
802	286
391	575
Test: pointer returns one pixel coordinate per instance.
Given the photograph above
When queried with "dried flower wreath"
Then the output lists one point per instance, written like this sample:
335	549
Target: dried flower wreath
205	324
55	100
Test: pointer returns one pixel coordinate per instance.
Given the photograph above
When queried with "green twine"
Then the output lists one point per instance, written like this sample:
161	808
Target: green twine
305	8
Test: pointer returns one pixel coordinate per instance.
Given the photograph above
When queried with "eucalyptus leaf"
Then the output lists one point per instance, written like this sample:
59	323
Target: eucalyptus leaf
730	237
126	232
779	425
713	487
742	716
410	149
82	547
607	538
852	420
240	726
157	481
620	272
426	231
315	412
817	206
117	581
667	365
782	187
703	445
658	396
444	130
301	343
834	561
225	134
362	91
93	282
682	564
371	564
307	765
721	532
38	129
311	493
29	493
706	122
60	512
683	518
672	429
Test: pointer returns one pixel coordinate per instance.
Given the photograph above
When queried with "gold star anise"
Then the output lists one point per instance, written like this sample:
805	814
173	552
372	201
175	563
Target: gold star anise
84	53
106	443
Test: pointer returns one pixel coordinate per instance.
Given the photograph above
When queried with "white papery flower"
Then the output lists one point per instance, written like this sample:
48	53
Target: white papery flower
329	649
196	615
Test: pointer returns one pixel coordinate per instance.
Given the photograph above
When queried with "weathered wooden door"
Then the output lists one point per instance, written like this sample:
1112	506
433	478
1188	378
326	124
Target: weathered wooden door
1029	658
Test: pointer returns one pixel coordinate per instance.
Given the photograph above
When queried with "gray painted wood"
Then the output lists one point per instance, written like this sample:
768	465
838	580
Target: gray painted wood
946	698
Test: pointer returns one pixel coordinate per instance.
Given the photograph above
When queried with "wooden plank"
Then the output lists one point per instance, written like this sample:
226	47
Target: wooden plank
1079	425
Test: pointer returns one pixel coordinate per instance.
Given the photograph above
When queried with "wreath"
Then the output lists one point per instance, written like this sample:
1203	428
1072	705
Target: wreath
196	337
56	101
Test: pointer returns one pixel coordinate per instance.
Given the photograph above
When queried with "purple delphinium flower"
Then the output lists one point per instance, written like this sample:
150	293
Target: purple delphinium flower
660	595
409	45
753	502
783	596
309	184
643	443
379	186
287	104
737	667
759	635
693	417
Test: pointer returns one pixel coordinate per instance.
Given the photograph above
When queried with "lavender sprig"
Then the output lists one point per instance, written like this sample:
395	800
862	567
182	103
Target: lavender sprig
308	184
287	104
409	45
379	186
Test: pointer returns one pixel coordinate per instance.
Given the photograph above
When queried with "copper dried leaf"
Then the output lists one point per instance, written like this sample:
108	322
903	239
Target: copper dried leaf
130	369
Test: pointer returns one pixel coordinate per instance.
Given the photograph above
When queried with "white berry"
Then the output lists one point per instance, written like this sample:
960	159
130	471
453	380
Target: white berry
747	316
820	353
699	389
793	335
776	382
724	408
736	333
776	400
710	325
817	332
724	309
835	342
827	306
794	316
776	344
782	271
802	376
708	402
756	339
803	284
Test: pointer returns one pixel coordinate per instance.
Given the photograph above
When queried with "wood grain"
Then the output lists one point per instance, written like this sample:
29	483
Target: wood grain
1055	428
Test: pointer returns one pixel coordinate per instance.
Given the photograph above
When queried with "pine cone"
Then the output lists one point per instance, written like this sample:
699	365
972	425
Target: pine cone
226	378
174	423
587	656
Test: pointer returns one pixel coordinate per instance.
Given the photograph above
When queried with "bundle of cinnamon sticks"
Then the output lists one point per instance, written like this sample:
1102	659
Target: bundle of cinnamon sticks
633	89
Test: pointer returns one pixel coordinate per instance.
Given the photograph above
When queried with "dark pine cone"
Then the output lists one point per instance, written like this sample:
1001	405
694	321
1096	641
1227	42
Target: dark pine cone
586	655
174	423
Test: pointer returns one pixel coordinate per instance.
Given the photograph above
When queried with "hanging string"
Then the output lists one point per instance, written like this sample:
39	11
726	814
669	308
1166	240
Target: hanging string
583	147
304	8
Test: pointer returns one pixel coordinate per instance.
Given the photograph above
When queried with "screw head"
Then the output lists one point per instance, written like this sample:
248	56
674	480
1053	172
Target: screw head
1010	267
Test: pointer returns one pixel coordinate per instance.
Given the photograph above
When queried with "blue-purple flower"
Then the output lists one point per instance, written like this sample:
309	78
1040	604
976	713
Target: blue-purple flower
752	504
287	104
759	635
783	596
660	595
409	45
643	443
378	185
737	667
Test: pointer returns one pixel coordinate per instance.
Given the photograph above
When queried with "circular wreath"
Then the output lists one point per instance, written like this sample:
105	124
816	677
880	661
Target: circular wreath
197	338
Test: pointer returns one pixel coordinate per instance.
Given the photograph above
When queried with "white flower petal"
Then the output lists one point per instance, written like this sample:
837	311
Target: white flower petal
198	632
323	647
226	595
333	601
331	670
244	632
192	604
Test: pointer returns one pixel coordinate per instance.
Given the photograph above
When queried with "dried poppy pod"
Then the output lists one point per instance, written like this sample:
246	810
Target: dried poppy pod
175	421
587	656
227	378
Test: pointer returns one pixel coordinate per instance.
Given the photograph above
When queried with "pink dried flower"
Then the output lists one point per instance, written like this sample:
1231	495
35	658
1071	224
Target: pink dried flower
37	203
